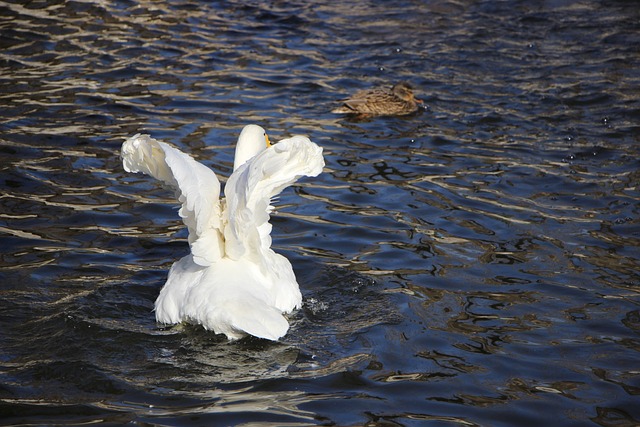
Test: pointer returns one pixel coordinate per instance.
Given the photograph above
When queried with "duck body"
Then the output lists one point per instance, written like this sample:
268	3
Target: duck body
395	101
232	282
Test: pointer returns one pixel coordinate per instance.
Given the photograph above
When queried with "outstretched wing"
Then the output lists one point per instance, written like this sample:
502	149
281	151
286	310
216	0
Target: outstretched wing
251	187
196	186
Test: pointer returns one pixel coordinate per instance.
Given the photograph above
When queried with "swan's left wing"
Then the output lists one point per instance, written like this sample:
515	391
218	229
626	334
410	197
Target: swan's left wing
196	186
251	187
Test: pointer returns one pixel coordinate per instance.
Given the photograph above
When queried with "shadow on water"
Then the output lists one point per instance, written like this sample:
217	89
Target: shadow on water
472	264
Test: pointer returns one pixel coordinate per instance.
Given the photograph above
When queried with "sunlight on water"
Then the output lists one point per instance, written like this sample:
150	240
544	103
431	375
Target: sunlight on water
475	263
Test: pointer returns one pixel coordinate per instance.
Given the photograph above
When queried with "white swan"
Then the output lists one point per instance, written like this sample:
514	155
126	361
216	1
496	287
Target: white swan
232	282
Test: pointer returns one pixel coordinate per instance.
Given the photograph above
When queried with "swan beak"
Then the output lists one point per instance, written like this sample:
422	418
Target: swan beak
267	138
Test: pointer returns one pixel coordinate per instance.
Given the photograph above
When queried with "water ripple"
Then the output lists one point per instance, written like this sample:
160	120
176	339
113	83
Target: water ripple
473	260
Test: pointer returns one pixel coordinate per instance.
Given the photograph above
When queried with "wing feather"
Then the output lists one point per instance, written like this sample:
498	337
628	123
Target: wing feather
197	188
251	187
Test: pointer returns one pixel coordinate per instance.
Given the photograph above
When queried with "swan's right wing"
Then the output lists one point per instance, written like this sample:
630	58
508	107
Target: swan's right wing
251	187
196	186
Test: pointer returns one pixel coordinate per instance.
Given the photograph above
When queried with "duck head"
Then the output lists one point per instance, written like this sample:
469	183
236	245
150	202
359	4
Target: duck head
404	91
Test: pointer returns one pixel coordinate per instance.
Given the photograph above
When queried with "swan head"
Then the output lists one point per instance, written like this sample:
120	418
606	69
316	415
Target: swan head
252	140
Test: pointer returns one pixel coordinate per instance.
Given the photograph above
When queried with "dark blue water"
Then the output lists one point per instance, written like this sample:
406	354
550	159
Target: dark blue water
475	264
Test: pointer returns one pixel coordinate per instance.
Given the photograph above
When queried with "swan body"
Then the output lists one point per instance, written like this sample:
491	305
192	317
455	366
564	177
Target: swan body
395	101
232	282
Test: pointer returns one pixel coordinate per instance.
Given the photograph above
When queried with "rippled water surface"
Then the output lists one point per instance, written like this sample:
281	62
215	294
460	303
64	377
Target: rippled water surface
476	263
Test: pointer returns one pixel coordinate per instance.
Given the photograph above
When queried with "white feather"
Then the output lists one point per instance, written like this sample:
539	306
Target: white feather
232	282
196	186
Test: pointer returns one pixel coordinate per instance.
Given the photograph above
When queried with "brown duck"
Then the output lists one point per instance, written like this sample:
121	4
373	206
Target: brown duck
396	101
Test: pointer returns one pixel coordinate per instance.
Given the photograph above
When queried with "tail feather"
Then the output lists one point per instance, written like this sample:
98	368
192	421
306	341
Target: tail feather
248	316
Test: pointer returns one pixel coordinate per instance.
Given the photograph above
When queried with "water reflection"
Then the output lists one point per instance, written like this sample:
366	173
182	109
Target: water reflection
462	266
